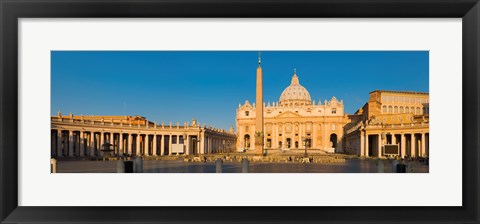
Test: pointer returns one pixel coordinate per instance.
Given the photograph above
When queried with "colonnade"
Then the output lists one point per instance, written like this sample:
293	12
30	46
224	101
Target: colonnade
80	143
73	143
411	144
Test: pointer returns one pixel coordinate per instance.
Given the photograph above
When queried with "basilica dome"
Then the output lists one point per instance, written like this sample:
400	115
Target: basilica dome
295	94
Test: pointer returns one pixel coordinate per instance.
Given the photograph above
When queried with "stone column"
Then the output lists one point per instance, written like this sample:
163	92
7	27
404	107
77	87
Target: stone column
412	147
284	138
129	144
366	145
70	143
154	150
139	137
402	146
423	151
210	145
362	143
102	141
162	145
59	143
187	150
170	144
274	136
304	134
120	144
379	150
82	143
202	143
92	143
111	141
147	144
77	144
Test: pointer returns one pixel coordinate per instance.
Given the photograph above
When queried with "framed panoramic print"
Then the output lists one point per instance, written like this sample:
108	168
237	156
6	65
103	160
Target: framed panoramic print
225	111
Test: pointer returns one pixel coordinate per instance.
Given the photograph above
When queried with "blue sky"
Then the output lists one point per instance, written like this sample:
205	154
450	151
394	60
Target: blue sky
209	85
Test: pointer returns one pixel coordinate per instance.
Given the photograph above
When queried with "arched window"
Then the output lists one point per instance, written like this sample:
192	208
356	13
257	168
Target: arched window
407	109
395	110
401	109
418	111
384	109
412	110
390	109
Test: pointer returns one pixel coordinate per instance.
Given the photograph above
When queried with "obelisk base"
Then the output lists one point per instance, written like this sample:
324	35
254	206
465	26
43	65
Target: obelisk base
258	145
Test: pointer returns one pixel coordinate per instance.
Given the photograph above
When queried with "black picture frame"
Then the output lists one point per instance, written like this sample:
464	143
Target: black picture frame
11	11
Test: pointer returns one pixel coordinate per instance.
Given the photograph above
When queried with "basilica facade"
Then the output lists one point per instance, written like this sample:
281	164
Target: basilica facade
293	122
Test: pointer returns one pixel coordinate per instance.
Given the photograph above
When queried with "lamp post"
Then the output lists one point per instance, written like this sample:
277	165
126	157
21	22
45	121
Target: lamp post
228	148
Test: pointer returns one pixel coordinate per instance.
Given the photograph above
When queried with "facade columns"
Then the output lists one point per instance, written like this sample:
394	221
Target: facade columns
394	139
379	150
412	146
129	144
423	152
102	141
120	145
137	149
147	145
111	141
274	136
402	146
92	143
187	150
162	145
170	144
366	145
59	144
362	143
82	143
154	150
70	143
202	143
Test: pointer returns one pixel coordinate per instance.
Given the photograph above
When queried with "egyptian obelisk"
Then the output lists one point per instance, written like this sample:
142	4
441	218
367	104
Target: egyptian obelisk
259	110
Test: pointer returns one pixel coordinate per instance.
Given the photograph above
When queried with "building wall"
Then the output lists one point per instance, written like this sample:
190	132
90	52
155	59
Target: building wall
385	119
306	125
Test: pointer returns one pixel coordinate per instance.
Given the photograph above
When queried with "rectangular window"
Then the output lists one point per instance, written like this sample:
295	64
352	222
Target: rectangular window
247	113
334	110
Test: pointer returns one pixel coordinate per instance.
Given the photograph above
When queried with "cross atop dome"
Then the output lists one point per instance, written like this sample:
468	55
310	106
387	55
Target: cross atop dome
295	80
